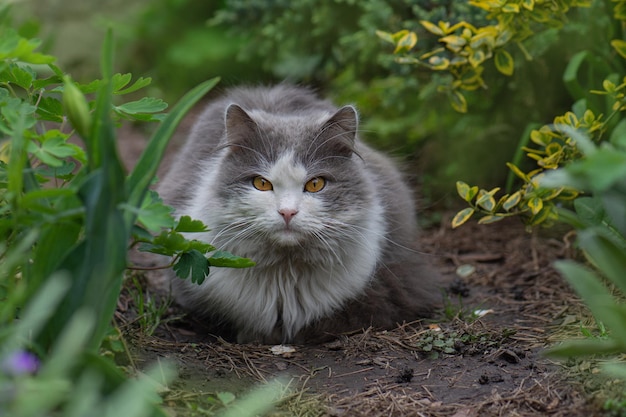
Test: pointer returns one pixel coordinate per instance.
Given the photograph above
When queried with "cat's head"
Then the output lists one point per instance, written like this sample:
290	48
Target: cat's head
293	180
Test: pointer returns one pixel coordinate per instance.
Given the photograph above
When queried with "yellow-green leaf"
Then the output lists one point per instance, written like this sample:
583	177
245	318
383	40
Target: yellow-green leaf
504	62
466	192
512	200
463	190
510	8
399	35
490	219
528	4
619	46
432	28
486	201
386	36
535	204
406	43
608	86
454	41
458	102
438	63
539	137
462	216
517	172
540	217
476	58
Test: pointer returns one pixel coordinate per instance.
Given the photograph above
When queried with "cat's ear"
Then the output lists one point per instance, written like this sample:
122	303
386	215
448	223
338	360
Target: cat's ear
339	132
240	127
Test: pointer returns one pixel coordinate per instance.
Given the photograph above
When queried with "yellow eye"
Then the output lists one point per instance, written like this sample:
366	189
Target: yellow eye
315	184
262	184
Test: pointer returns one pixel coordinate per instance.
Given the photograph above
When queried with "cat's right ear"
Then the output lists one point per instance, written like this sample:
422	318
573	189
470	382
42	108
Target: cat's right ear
240	127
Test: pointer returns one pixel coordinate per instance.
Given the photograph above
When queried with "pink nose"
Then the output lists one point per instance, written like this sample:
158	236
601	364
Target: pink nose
287	214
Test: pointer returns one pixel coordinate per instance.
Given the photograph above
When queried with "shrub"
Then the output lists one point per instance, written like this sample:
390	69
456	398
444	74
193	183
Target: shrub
67	215
580	157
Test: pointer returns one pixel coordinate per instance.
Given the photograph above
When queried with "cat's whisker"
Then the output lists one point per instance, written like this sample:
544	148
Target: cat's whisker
356	228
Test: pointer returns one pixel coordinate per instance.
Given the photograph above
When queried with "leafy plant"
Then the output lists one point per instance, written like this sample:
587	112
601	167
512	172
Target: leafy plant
67	215
581	163
466	47
150	310
555	146
601	223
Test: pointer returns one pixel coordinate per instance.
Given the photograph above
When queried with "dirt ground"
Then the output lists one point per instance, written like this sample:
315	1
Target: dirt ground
482	355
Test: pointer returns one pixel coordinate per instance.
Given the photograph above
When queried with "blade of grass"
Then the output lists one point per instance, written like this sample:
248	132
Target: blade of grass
145	170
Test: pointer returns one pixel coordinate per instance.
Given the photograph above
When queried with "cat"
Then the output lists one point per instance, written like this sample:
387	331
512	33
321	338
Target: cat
280	176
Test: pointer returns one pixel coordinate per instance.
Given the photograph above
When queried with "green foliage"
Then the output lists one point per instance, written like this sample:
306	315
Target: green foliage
67	215
601	223
67	381
466	47
581	156
189	256
557	145
150	310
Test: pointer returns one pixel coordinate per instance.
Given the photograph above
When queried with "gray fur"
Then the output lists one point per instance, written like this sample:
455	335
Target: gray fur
347	258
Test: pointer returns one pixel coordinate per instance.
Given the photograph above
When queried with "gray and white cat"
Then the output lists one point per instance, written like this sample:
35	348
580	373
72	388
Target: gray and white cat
280	176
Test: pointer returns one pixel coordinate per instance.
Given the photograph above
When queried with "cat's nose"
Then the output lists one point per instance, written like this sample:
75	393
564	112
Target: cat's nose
287	214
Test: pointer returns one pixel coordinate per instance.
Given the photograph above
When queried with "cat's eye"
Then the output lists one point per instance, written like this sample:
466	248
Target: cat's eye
315	184
262	184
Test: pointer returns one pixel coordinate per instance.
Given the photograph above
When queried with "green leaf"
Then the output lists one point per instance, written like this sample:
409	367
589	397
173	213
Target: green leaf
52	151
607	257
432	28
50	109
228	260
226	397
155	215
186	225
462	217
535	204
21	76
386	36
192	264
589	210
504	62
44	82
143	106
490	219
406	43
584	348
620	47
600	170
137	85
171	242
590	288
120	81
618	135
200	246
13	46
458	102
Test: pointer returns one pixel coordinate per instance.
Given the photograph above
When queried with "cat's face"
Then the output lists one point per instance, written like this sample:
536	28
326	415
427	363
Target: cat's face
292	182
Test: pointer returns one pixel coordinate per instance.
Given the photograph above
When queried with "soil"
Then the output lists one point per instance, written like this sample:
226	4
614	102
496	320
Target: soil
482	355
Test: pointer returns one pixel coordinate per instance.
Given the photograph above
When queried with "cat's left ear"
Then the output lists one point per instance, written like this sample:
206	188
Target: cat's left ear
340	130
240	128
